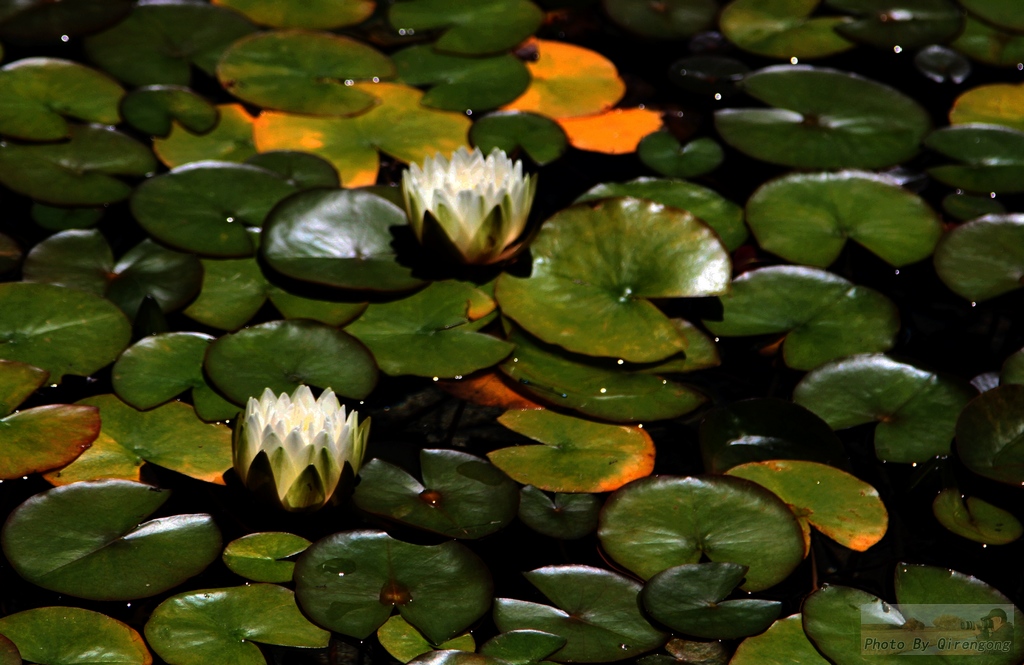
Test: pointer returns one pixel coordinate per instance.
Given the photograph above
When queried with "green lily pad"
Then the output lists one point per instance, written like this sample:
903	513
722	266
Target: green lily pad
1004	13
46	437
405	643
61	330
968	206
595	388
916	410
908	24
859	124
160	41
784	643
10	253
282	355
111	556
339	238
700	352
152	110
975	519
430	333
351	583
602	262
262	557
988	44
233	291
990	434
807	218
663	521
755	430
991	157
221	625
301	169
42	19
691	599
821	316
206	207
454	657
61	219
522	647
470	27
993	104
1011	372
460	82
302	71
722	215
596	611
967	262
72	636
311	14
17	382
666	155
230	140
37	93
78	172
674	19
783	28
576	455
541	138
325	311
566	516
462	496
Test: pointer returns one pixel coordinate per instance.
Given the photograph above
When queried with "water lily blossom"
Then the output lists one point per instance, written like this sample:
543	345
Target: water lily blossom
476	206
295	448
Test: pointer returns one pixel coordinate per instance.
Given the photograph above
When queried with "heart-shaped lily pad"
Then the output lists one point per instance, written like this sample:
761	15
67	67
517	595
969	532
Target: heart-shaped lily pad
807	218
569	81
86	540
405	643
541	138
975	518
859	124
462	496
990	434
230	140
72	635
783	28
906	24
665	154
42	19
821	316
17	382
916	410
663	521
233	291
785	643
991	157
994	104
312	14
459	82
152	109
351	583
967	264
566	516
673	19
471	28
602	262
522	647
262	556
46	437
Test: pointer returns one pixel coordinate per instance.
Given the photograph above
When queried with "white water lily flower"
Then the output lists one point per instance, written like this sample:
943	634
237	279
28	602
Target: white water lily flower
480	205
296	447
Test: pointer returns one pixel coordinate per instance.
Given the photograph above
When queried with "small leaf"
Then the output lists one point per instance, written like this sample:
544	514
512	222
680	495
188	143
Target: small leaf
261	557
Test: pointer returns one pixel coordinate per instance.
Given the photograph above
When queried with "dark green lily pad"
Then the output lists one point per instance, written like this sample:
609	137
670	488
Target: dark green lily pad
722	215
916	410
785	643
312	14
601	262
61	219
968	206
597	611
691	599
302	71
462	496
1004	13
540	137
152	110
17	382
807	218
859	124
987	43
111	556
663	153
459	82
991	157
663	521
72	636
783	28
566	516
161	40
908	24
755	430
406	643
282	355
522	647
975	519
43	19
819	315
37	93
63	331
700	352
10	253
967	263
990	434
351	583
674	19
301	169
221	625
233	291
230	140
262	557
431	333
340	238
470	28
78	172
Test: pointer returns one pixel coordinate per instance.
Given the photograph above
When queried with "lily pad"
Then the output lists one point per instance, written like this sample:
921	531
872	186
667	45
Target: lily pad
783	28
988	44
405	643
807	218
975	519
613	131
569	81
42	19
991	157
111	556
674	19
301	169
61	330
17	382
262	556
663	153
597	611
967	263
462	496
459	82
916	410
471	27
819	315
567	516
72	635
46	437
351	583
576	455
784	643
311	14
1004	13
1011	372
522	647
152	110
990	434
282	355
53	218
541	138
908	24
993	104
221	625
230	140
233	291
37	93
663	521
859	124
161	40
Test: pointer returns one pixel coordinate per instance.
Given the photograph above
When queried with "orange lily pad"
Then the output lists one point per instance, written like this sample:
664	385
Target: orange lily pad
489	388
614	132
